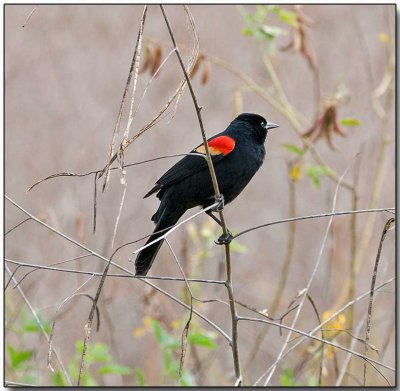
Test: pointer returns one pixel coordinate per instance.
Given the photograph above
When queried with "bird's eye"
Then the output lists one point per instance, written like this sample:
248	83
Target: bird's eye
263	124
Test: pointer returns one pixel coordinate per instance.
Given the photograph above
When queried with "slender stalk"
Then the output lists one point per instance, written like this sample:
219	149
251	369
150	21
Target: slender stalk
388	225
229	284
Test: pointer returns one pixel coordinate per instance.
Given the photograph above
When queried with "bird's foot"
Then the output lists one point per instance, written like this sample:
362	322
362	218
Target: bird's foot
221	203
225	239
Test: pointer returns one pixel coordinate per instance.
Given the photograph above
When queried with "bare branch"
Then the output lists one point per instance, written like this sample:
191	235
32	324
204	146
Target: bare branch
98	274
334	315
65	301
134	67
16	226
234	345
104	259
348	212
388	225
80	175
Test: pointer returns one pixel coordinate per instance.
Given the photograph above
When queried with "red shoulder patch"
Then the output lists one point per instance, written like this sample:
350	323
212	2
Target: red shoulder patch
220	145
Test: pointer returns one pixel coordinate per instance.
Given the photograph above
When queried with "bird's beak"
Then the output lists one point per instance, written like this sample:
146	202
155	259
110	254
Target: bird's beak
271	125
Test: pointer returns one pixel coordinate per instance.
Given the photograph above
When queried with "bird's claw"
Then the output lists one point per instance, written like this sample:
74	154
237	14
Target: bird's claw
225	239
221	203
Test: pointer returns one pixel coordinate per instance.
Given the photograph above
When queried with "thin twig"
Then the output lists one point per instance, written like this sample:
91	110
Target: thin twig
388	225
65	301
104	259
16	226
314	217
334	315
322	336
29	16
325	341
133	67
80	175
185	331
53	264
235	350
174	97
98	274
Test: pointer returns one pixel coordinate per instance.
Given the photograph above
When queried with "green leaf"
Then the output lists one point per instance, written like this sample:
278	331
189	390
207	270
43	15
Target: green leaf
167	355
58	379
73	369
271	32
30	325
171	366
287	378
274	8
316	172
158	331
88	380
248	32
293	148
17	357
32	377
202	339
288	17
350	122
163	337
115	369
94	353
140	377
188	379
249	18
100	353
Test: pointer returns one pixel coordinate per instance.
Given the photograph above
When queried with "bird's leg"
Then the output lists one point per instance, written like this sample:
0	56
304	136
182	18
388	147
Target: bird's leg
220	206
223	239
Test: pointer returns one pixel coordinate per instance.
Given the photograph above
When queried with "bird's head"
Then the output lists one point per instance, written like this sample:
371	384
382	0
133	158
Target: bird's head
258	125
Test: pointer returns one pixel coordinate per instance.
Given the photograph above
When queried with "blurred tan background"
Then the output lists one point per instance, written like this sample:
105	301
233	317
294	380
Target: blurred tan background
65	72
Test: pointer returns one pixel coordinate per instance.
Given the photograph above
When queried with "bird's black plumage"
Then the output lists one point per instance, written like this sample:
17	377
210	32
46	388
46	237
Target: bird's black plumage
237	154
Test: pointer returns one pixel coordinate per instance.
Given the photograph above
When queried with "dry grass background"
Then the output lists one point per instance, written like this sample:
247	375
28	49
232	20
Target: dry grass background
64	77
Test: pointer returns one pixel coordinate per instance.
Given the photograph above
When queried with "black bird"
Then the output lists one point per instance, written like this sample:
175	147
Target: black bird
237	153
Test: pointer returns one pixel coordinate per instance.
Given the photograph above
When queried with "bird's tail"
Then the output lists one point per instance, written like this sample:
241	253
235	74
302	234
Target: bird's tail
146	257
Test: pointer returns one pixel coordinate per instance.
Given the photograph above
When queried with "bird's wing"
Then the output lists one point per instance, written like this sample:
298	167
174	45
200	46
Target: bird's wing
219	147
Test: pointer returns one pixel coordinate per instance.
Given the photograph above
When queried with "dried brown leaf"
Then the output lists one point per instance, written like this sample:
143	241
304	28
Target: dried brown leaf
196	67
157	58
206	73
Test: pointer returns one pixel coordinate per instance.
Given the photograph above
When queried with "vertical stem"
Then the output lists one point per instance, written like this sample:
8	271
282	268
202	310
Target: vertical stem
229	285
234	317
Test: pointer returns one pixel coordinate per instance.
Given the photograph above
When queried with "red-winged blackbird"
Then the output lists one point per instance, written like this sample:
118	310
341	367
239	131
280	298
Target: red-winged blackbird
237	154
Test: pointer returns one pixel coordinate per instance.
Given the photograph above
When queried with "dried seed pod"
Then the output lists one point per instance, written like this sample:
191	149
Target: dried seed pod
206	73
157	58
